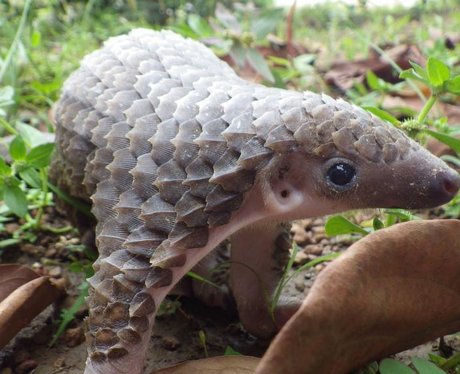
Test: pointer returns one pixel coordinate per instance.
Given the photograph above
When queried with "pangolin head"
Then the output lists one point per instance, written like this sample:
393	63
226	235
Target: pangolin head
346	158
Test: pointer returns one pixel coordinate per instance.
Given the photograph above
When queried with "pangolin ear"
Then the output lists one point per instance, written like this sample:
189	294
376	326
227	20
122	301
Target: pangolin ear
282	197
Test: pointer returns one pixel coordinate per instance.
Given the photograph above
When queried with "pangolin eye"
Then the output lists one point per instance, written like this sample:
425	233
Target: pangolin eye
341	174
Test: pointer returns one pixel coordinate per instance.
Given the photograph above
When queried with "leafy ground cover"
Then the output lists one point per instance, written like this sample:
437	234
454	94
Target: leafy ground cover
401	64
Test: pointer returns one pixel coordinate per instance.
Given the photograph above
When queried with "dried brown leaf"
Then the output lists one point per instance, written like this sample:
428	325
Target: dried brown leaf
343	75
215	365
23	304
13	276
392	290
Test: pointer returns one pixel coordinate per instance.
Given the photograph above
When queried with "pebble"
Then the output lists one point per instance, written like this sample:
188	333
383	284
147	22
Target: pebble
51	252
314	249
11	227
59	363
299	285
302	258
31	249
20	356
74	336
300	234
26	366
319	267
170	343
38	268
55	272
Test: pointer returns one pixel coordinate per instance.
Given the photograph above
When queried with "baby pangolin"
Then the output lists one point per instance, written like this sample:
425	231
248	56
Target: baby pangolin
177	154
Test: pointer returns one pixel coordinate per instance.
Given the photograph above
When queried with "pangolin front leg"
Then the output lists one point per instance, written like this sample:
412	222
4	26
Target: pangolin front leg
259	255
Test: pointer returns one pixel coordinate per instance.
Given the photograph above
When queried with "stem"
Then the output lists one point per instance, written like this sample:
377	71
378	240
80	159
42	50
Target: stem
426	108
39	216
16	39
398	69
57	230
282	282
7	126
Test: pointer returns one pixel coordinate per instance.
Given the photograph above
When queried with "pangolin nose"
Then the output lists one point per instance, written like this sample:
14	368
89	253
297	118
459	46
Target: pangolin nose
448	183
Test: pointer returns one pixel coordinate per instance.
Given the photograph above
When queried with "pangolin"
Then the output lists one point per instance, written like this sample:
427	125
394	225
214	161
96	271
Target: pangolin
177	154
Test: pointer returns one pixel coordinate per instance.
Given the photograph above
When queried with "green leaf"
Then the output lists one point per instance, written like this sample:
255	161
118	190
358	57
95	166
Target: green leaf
390	366
266	22
35	38
40	156
453	85
227	18
5	169
284	62
6	95
18	148
183	29
438	71
229	351
339	225
453	361
31	177
436	359
31	136
377	224
9	242
411	74
452	142
47	88
425	366
372	368
67	315
419	70
238	53
199	25
383	115
257	61
372	80
402	214
303	63
15	199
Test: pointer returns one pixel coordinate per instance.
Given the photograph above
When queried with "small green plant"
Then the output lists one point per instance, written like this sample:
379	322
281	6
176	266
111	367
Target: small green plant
440	80
202	338
374	94
339	225
68	315
229	351
435	365
77	266
288	274
237	34
298	72
24	181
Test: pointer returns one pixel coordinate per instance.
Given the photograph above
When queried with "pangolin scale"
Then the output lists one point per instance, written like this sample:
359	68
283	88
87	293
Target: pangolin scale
168	142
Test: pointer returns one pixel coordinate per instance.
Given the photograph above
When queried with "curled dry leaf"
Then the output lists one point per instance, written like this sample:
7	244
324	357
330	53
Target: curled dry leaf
392	290
13	276
343	75
23	304
215	365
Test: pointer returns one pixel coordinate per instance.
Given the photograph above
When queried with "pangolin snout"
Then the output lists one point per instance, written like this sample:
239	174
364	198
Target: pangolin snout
446	185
